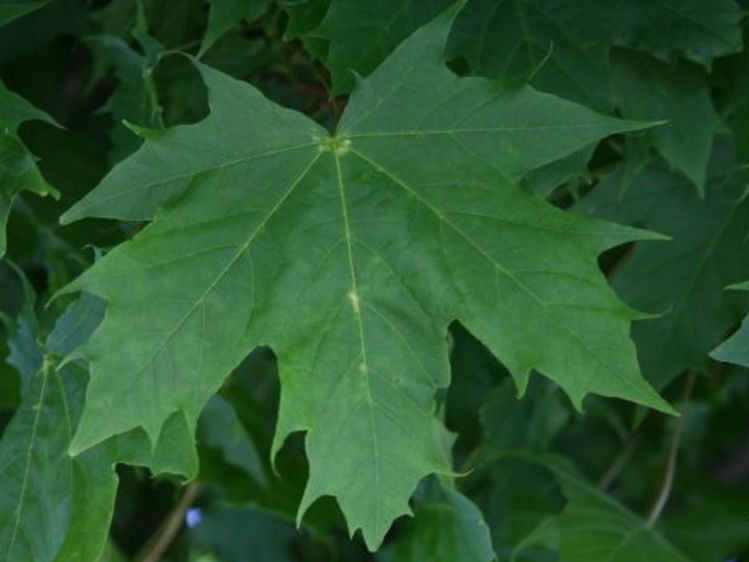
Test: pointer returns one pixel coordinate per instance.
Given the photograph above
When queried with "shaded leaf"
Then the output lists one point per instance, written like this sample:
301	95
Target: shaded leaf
563	46
219	427
18	171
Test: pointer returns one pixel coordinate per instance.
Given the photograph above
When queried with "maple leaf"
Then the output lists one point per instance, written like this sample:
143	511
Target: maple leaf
18	171
349	255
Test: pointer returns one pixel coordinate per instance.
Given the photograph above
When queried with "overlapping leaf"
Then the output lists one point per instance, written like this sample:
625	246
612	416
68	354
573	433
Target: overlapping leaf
224	14
18	171
645	88
54	507
349	255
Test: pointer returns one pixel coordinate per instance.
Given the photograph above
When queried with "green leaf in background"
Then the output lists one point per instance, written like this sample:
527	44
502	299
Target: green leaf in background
361	35
447	526
712	525
736	348
645	88
18	171
556	45
594	527
563	46
10	10
287	236
135	100
680	281
303	17
225	14
220	427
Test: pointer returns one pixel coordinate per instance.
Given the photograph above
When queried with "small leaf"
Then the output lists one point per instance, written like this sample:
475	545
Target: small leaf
18	171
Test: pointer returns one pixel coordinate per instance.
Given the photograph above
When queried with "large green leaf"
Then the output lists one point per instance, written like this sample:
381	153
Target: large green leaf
349	255
681	281
736	348
18	171
594	527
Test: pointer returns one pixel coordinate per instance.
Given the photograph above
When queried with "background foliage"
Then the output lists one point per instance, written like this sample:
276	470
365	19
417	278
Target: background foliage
662	92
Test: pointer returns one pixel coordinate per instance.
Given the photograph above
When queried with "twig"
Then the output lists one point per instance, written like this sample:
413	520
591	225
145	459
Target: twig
620	461
158	544
673	453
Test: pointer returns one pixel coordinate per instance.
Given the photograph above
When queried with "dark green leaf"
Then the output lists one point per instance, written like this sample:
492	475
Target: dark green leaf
680	281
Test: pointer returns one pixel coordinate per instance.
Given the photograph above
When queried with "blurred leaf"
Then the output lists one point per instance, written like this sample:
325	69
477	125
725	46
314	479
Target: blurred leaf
447	526
134	99
236	534
225	14
594	527
10	10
